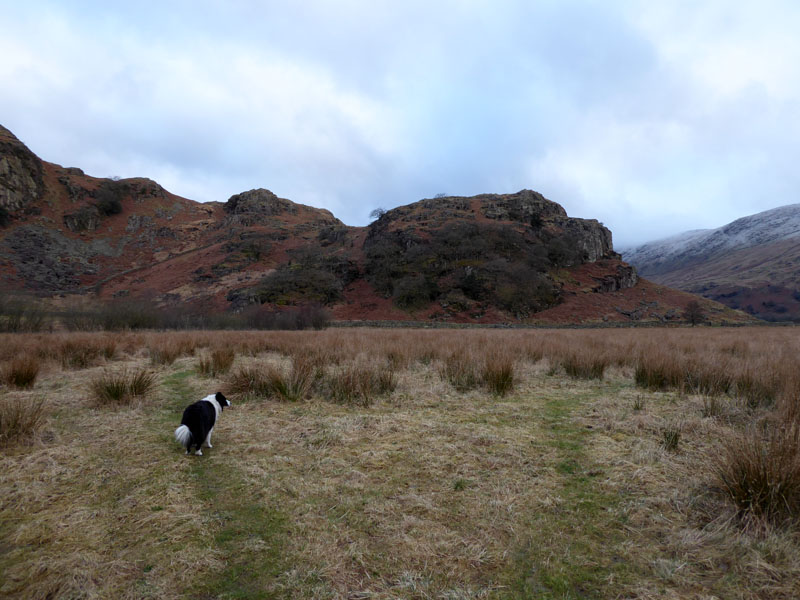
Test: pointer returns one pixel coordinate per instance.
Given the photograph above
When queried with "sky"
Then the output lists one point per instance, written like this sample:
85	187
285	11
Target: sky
652	117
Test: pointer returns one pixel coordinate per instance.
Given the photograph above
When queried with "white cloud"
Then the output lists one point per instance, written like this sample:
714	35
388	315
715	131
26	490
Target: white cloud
652	117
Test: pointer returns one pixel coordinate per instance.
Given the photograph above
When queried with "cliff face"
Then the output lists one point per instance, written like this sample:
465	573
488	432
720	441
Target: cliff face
21	178
486	258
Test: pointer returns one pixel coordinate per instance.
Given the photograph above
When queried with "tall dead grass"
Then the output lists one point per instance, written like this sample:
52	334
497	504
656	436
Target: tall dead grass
218	362
121	388
21	372
759	470
359	384
20	419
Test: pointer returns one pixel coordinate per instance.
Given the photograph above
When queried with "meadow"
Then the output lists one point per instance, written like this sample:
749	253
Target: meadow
382	463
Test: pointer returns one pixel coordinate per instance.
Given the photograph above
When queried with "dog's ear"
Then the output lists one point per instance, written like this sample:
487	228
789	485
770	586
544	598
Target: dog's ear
223	401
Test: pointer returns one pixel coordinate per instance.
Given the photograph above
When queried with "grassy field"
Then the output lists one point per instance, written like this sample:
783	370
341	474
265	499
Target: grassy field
403	464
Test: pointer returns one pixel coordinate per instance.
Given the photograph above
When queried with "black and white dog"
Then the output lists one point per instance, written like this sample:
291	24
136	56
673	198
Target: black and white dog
198	422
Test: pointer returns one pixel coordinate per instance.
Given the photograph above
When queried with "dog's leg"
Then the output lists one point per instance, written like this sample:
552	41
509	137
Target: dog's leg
208	439
198	452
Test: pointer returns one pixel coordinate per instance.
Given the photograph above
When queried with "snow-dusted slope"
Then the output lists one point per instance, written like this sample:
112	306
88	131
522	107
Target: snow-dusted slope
751	264
691	247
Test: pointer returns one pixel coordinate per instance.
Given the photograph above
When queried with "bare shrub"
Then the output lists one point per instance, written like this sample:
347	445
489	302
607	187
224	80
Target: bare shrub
22	371
121	388
498	374
20	419
759	470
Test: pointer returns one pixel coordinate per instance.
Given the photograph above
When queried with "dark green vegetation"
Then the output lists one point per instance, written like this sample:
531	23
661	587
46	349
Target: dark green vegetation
463	263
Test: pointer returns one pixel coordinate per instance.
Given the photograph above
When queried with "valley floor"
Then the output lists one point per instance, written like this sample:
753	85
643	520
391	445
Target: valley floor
561	488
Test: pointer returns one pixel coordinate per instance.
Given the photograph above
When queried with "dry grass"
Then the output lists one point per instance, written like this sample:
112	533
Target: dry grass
121	388
562	489
21	371
250	381
359	384
498	374
759	469
461	370
219	362
20	419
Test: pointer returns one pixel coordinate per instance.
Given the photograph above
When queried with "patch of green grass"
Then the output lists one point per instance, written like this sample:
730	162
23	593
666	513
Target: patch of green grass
249	534
584	538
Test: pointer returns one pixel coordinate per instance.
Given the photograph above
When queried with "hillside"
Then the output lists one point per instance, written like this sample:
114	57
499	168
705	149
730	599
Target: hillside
752	264
484	259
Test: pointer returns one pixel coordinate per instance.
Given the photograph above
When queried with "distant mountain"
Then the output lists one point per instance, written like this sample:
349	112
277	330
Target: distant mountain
752	264
488	258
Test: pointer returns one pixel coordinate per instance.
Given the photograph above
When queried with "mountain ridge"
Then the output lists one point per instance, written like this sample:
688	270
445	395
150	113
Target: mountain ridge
752	263
487	258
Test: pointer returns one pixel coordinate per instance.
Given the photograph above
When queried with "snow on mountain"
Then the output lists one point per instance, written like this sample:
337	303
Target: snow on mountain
766	227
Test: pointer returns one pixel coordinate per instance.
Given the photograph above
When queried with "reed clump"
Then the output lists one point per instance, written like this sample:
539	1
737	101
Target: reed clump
584	365
498	374
359	384
218	362
121	388
20	419
759	471
461	370
21	372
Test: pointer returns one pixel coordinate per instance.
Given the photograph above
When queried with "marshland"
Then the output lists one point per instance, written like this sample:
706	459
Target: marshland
403	463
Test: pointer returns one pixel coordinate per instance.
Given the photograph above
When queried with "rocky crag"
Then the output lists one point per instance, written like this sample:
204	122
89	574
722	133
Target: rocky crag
488	258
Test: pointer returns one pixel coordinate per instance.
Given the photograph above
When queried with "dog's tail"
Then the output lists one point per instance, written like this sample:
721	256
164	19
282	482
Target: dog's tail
183	435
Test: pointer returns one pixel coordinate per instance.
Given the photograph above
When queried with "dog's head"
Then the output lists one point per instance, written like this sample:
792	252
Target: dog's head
222	400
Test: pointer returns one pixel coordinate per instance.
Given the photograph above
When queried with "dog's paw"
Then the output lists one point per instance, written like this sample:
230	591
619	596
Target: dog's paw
209	446
199	452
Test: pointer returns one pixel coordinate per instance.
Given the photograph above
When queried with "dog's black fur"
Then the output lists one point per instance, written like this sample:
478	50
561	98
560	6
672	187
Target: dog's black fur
198	422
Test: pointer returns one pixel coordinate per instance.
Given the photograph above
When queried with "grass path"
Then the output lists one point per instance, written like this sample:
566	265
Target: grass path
576	549
246	532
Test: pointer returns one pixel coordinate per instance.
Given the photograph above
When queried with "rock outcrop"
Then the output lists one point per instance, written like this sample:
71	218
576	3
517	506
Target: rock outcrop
488	258
21	174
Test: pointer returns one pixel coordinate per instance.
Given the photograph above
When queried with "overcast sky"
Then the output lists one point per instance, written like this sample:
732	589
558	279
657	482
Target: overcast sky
653	117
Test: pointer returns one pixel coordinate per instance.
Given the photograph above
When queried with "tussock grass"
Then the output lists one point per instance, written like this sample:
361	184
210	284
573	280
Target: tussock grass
21	372
121	388
77	355
671	437
166	352
462	371
20	419
359	384
251	381
584	365
498	374
759	470
292	385
219	362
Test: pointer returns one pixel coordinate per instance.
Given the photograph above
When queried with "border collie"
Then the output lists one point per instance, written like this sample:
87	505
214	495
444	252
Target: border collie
198	421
